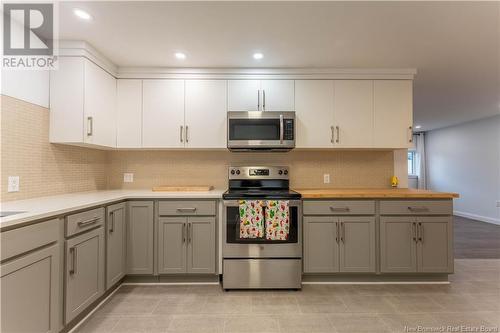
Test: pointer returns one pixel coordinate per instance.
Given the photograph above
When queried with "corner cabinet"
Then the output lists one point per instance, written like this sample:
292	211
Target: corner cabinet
186	237
116	243
82	104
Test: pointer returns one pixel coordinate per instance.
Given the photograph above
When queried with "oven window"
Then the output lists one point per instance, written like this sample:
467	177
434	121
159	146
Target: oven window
233	228
254	129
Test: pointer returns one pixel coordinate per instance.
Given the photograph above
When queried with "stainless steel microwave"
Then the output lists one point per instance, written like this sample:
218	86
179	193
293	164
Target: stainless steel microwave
260	130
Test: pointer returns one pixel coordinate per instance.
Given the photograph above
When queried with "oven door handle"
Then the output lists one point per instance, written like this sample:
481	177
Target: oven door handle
281	128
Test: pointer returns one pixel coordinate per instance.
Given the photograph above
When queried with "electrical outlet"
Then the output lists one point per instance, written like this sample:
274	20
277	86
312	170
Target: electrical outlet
326	178
128	177
13	185
498	203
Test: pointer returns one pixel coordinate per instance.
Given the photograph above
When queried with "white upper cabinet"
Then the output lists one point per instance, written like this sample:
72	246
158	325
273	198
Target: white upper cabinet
205	114
314	113
353	113
129	114
261	95
393	113
277	95
82	103
163	114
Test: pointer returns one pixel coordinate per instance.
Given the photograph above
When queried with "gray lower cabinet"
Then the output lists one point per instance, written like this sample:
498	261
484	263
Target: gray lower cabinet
339	244
115	243
186	245
416	244
320	245
30	292
84	272
140	236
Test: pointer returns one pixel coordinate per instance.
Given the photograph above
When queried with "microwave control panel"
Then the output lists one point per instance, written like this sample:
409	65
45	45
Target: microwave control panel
288	129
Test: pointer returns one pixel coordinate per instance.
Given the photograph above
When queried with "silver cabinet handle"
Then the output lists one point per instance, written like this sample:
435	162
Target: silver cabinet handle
410	131
181	130
184	232
263	100
342	226
414	231
418	209
332	130
112	218
82	224
90	126
281	128
258	99
337	232
420	232
187	133
189	229
337	140
187	209
339	209
73	253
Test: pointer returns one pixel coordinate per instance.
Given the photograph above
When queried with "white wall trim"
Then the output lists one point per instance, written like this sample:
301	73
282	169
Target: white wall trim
75	48
477	217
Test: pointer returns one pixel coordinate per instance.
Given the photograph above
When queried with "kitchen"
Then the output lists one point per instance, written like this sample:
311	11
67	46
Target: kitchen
150	188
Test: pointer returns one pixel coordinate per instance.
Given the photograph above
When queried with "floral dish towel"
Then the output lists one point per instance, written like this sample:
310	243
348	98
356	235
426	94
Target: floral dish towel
251	218
277	219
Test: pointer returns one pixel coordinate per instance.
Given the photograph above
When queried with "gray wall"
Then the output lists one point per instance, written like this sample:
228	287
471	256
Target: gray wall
466	159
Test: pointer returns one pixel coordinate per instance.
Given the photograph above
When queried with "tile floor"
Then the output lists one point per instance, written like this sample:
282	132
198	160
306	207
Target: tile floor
472	300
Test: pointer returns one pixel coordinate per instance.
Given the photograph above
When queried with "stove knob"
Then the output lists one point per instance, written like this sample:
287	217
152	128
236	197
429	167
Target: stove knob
286	172
280	172
237	172
232	172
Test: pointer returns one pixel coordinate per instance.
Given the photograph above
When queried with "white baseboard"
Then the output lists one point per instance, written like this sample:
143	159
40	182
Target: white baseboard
477	217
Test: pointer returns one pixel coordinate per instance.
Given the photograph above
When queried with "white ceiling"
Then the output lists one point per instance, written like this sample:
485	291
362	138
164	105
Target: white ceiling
453	45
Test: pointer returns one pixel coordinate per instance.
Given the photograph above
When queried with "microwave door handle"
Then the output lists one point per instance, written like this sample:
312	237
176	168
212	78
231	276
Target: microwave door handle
281	128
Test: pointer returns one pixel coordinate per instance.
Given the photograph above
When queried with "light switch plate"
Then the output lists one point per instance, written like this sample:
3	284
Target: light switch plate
128	177
326	178
13	185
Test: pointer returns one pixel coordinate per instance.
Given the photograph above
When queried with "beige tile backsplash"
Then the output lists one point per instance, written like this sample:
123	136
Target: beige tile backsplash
49	169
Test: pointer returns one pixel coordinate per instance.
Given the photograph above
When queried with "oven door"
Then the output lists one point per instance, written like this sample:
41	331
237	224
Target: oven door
236	247
261	130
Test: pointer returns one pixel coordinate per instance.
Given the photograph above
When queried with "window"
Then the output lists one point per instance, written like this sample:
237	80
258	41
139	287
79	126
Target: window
412	170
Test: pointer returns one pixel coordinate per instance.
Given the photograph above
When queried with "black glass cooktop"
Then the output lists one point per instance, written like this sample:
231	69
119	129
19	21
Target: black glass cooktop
279	194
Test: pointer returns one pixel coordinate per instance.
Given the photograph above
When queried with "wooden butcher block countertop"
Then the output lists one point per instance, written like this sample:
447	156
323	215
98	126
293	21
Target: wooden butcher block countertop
375	193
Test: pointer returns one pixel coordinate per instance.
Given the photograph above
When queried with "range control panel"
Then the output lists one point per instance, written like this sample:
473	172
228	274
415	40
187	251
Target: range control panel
258	172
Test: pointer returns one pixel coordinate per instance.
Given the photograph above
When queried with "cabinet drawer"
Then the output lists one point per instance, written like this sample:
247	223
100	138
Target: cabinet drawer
18	241
339	207
79	222
416	207
186	207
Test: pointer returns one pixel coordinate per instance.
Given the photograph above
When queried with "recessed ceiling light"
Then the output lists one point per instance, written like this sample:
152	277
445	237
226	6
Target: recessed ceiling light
418	127
180	55
258	56
82	14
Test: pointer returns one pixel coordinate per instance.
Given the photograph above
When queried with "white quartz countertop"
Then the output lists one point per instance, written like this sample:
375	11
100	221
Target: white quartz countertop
46	207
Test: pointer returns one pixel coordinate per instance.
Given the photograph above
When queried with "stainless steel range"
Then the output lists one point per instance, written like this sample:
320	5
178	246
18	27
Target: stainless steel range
261	261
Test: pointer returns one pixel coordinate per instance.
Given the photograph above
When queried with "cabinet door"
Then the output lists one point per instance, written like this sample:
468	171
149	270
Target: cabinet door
393	113
115	243
163	114
172	243
243	95
357	244
201	245
314	113
29	292
277	95
66	101
84	271
320	245
99	106
435	246
129	114
140	233
353	113
206	113
398	245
